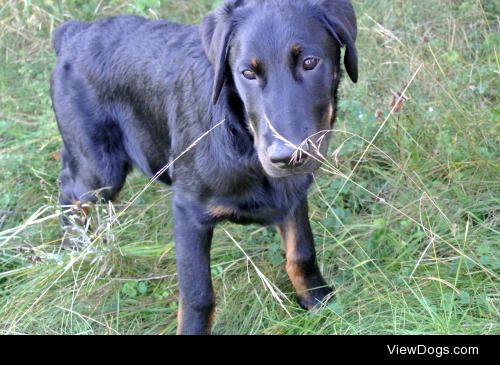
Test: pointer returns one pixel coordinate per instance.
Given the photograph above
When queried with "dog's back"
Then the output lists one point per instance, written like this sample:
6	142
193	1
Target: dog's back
66	31
115	47
116	78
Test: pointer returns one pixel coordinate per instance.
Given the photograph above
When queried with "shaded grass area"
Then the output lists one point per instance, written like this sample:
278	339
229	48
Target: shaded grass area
405	210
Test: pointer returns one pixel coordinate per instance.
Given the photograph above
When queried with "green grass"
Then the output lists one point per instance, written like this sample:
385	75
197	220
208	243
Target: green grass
406	224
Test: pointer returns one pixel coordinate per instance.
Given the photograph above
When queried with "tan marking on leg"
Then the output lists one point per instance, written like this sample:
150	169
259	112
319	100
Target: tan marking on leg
295	272
220	211
80	211
179	319
297	278
211	318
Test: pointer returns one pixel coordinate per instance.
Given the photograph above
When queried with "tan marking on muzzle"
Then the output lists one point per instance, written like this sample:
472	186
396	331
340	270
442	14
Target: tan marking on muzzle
252	129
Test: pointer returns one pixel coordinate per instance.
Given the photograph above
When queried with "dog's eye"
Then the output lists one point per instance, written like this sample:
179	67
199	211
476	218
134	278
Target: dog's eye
310	63
249	74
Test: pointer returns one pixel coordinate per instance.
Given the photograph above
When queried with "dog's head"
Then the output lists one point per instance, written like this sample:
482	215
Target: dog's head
283	60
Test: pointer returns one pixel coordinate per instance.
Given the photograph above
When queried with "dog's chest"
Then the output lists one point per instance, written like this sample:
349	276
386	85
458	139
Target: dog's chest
267	203
246	213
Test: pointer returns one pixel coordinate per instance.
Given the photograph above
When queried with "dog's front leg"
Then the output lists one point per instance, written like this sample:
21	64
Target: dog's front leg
192	240
301	264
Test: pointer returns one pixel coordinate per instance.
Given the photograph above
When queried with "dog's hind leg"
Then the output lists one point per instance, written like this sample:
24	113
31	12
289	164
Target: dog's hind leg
301	264
94	167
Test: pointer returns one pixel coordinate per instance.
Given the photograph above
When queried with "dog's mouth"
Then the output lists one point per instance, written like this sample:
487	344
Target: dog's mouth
278	171
282	158
302	161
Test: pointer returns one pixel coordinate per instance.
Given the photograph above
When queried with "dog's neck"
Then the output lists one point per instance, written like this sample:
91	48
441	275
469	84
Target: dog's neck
231	110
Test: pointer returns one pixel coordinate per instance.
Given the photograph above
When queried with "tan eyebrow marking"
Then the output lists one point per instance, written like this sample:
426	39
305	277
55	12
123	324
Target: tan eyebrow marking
296	50
255	63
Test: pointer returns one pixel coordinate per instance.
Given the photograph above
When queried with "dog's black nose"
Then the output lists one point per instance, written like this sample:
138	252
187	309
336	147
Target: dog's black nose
285	156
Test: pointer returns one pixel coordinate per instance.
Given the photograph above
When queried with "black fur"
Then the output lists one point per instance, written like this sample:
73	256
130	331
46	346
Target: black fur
134	92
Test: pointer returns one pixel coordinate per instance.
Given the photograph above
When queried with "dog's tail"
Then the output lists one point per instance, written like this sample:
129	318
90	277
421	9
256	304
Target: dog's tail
66	31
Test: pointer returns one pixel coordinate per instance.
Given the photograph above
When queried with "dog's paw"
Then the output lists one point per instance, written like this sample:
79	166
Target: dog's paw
315	298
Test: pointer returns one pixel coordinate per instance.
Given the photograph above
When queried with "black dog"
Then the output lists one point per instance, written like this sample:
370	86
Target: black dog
133	92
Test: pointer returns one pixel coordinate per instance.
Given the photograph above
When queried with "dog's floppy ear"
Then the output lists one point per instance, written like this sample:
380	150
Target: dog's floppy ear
340	19
216	31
